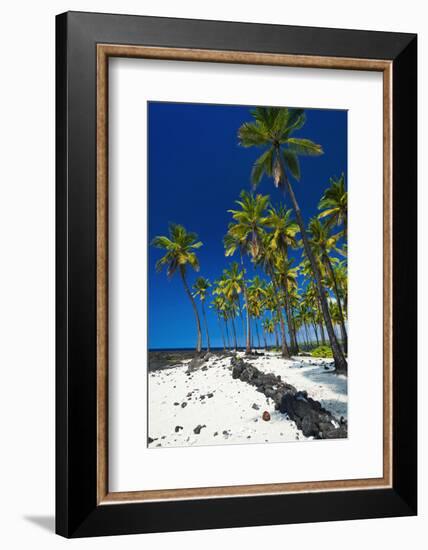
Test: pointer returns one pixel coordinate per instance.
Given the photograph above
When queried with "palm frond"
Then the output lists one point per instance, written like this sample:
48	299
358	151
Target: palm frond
252	134
292	163
302	146
263	165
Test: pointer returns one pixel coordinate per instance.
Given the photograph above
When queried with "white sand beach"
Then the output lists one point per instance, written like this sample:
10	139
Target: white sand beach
209	407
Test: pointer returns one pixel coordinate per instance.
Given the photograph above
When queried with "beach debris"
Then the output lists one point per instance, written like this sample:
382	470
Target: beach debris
209	395
266	416
255	406
184	404
150	440
198	429
215	434
178	428
176	404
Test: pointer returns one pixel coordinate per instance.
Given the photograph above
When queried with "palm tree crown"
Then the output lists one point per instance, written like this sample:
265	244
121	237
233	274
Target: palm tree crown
180	249
200	288
334	203
273	128
247	229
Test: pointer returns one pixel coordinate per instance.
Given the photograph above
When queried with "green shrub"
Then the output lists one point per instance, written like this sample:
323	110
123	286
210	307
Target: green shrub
322	351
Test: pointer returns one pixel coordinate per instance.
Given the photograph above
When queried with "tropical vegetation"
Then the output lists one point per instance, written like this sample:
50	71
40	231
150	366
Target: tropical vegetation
286	284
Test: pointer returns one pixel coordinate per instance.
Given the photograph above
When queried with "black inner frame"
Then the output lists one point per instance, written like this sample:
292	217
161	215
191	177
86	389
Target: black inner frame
77	513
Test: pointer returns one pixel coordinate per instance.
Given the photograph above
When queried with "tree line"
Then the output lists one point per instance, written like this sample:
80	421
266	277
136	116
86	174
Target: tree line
264	234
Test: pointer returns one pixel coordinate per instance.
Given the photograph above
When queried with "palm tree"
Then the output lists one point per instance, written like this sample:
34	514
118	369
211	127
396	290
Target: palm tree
288	277
180	249
322	243
311	296
245	235
268	258
302	320
218	304
268	327
200	288
272	129
283	236
334	204
341	275
256	292
229	286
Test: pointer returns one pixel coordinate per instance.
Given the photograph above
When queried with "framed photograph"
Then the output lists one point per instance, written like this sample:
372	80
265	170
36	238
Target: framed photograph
236	274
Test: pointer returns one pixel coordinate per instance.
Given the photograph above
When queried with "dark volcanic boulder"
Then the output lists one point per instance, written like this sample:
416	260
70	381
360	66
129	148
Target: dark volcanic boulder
308	414
238	366
198	429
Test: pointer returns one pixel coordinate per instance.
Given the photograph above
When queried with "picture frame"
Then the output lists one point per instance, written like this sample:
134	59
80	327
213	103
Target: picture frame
84	44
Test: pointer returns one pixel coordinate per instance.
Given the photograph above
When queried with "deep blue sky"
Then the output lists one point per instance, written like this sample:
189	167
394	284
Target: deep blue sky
196	172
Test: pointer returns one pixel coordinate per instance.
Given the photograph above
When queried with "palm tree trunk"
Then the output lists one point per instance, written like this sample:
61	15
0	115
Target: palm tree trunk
195	310
339	359
222	333
284	348
242	318
293	342
320	323
322	334
336	292
234	333
244	287
307	334
206	326
276	337
258	334
227	333
316	333
294	330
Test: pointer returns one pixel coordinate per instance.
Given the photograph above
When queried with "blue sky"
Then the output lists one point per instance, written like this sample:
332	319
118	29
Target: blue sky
196	172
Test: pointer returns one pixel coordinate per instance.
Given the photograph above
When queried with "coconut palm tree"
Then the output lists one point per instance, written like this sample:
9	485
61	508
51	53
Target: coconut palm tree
229	286
334	204
341	275
268	258
322	243
218	304
244	235
256	292
287	274
273	129
180	253
268	327
302	320
283	236
200	289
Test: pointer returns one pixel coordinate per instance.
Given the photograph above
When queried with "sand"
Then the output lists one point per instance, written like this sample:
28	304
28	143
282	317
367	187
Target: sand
209	407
